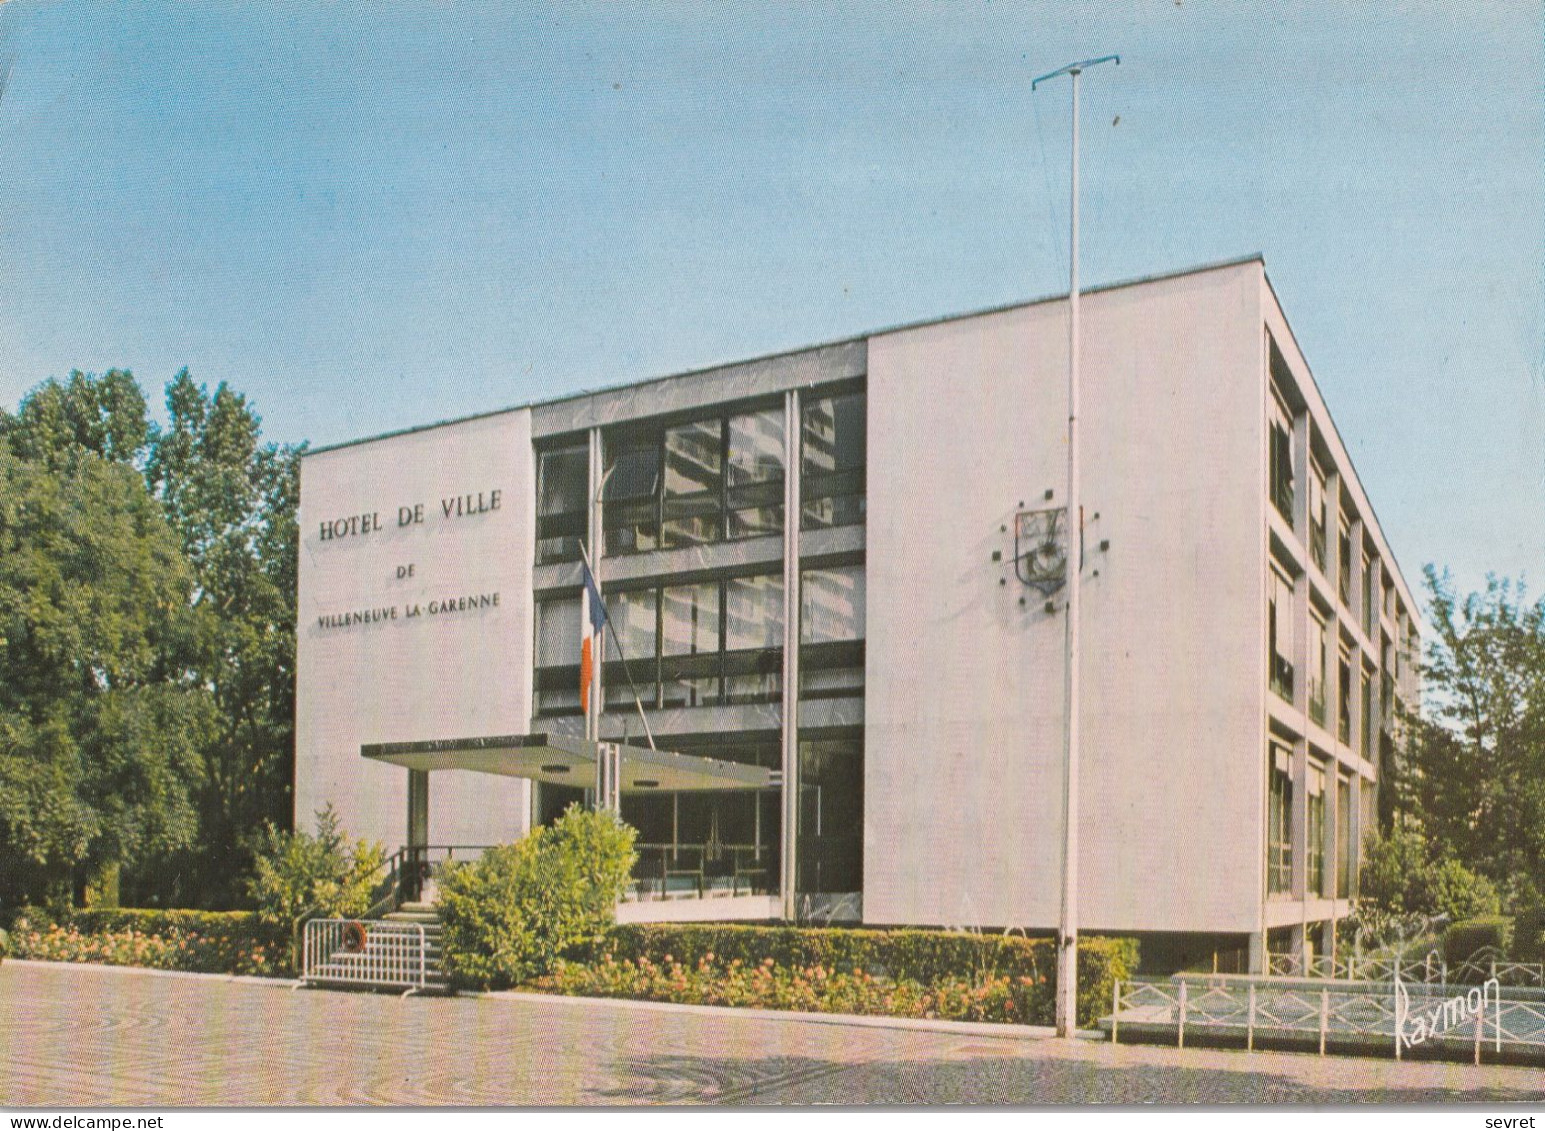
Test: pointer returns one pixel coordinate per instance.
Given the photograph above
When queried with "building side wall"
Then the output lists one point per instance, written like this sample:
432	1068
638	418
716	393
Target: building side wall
964	684
437	674
1174	664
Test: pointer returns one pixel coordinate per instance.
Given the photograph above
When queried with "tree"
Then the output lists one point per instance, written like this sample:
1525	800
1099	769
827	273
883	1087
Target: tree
1478	762
233	503
100	718
102	415
215	697
1405	875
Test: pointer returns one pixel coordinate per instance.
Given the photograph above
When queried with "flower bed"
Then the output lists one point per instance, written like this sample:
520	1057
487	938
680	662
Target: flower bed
812	989
959	976
206	942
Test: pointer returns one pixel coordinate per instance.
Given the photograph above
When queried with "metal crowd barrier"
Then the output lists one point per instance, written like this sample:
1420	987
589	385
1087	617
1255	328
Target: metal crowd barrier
365	952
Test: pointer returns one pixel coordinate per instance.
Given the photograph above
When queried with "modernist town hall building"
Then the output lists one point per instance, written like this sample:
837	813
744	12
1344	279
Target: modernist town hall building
837	696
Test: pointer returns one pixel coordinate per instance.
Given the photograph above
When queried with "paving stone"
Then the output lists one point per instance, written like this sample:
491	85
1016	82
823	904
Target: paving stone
74	1036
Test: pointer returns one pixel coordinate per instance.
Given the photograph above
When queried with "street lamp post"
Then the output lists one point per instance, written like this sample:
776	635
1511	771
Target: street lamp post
1067	928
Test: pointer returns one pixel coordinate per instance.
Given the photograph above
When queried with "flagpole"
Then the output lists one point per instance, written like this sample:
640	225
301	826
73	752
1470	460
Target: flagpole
1067	930
627	670
592	688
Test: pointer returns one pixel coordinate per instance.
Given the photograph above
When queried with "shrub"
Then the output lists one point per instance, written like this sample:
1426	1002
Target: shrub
1529	936
813	989
5	943
297	874
1403	875
923	960
1464	938
211	942
514	913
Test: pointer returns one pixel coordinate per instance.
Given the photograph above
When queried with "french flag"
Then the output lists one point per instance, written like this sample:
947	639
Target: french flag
592	620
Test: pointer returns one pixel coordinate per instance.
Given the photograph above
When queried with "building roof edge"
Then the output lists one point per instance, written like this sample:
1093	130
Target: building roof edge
1140	280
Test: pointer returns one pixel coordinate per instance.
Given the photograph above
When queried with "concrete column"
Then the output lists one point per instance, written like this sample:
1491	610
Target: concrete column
416	872
790	713
1359	830
1300	841
418	808
1332	529
1257	957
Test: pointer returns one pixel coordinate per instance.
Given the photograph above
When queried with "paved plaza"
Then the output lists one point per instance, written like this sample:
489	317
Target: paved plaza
95	1036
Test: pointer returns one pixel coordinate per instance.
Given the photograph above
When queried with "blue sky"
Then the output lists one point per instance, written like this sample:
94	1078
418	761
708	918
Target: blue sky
373	216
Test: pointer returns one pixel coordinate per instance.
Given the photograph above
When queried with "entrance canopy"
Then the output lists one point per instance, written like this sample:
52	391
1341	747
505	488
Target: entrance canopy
564	760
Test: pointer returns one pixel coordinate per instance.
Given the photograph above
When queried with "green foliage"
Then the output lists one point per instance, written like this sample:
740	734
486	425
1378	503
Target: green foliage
810	989
326	875
210	942
1403	875
512	914
1529	935
1467	936
232	503
925	959
147	613
5	945
99	720
103	416
1477	773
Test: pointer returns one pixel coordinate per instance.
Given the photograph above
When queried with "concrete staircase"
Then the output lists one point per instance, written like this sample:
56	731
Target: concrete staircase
424	914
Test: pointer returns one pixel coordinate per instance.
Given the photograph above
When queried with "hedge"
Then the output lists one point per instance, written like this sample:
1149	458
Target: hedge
925	958
1529	936
1464	938
209	942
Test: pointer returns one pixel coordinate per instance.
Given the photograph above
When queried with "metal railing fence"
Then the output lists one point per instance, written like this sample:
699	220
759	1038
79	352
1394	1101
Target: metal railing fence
1397	1016
375	952
1430	969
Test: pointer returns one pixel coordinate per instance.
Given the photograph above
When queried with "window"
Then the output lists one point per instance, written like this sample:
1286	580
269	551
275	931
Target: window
1279	831
1344	561
1370	605
754	465
630	515
557	657
831	815
693	644
1369	721
689	644
1281	457
695	483
1344	698
1343	837
1386	686
563	488
1279	613
1319	658
832	461
831	632
631	619
1314	829
753	639
1318	515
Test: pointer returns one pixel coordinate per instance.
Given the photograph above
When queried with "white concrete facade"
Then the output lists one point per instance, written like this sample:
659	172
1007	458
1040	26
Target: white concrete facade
956	710
433	674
